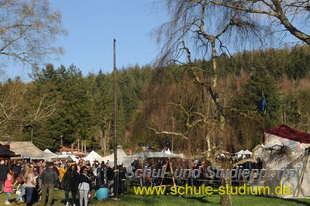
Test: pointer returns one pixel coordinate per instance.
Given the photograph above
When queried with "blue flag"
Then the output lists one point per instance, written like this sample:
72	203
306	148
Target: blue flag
262	104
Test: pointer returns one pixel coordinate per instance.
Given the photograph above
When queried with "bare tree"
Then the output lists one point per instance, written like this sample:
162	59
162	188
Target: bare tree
288	13
200	28
28	28
16	113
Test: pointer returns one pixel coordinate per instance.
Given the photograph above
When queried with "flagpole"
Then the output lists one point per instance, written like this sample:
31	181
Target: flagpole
262	107
264	111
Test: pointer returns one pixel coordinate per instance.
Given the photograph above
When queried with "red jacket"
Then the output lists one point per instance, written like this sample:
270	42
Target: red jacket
7	186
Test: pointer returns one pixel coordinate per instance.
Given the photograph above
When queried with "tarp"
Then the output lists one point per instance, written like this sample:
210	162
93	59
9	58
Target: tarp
28	150
289	133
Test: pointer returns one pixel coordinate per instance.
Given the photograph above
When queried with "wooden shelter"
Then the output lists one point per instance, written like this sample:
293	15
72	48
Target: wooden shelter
6	153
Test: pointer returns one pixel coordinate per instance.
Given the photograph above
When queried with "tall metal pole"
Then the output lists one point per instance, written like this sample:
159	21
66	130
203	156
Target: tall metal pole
115	135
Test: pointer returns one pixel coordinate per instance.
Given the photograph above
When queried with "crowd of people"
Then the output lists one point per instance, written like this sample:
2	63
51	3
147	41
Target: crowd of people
40	179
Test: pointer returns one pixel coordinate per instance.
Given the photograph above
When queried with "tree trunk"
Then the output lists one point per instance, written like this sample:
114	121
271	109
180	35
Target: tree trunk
209	145
226	199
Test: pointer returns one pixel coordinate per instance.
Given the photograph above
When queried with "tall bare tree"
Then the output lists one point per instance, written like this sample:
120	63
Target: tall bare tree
201	28
28	29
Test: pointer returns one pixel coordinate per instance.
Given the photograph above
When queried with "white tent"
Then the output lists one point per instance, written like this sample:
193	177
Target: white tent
144	155
59	157
167	151
121	158
49	152
92	156
241	152
73	157
286	148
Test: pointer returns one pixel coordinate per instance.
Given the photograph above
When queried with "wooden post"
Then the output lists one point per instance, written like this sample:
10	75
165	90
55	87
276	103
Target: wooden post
115	133
303	172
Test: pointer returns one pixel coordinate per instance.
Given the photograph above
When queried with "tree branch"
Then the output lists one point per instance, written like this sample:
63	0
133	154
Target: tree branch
168	133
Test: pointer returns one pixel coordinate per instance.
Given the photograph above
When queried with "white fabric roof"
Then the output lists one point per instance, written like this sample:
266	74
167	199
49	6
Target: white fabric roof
92	156
166	151
145	155
58	157
27	150
49	152
121	158
241	152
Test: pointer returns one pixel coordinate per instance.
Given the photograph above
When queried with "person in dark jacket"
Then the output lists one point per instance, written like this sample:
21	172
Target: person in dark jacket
70	183
122	179
98	175
16	168
84	186
49	178
110	178
4	170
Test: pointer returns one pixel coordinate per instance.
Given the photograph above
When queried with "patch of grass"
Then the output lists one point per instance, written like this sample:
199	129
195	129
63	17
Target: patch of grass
169	200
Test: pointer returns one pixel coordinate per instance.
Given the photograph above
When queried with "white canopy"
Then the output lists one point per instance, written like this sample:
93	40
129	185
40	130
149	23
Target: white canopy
73	157
241	152
166	151
145	155
92	156
58	157
244	152
247	152
121	158
49	152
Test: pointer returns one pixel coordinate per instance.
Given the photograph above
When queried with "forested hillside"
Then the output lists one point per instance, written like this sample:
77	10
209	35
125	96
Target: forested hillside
160	106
